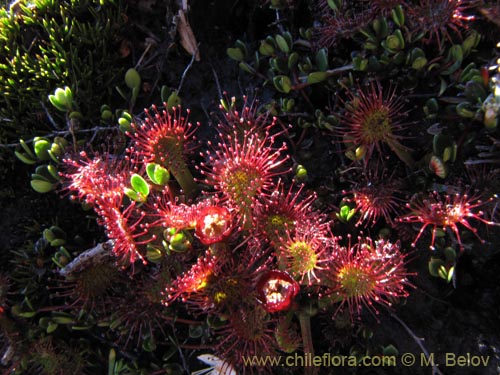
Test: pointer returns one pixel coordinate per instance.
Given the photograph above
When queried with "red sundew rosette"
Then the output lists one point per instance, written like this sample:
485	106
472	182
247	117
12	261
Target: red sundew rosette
214	224
276	290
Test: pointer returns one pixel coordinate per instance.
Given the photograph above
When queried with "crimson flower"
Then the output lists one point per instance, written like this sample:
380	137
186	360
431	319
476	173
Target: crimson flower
276	290
213	224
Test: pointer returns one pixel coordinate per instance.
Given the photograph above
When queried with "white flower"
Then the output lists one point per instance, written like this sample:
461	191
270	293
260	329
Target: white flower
217	366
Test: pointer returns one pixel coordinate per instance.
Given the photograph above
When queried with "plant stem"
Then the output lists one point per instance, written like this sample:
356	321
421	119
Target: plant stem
307	342
184	178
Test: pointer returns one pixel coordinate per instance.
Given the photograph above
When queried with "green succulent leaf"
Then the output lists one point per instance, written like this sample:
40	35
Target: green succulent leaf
282	44
434	265
139	185
419	63
316	77
246	68
322	59
132	194
266	49
450	274
25	158
42	146
235	53
173	100
360	63
380	27
158	174
471	42
293	60
282	84
132	78
41	186
124	124
154	254
398	15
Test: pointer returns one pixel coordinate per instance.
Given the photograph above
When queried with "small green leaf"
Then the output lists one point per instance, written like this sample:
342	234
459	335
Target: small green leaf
333	5
132	194
398	15
164	93
41	186
161	175
463	110
447	153
173	100
62	99
27	149
434	266
360	63
242	46
282	44
393	43
456	52
322	59
282	84
440	142
419	63
246	68
316	77
69	95
111	361
293	59
451	272
132	78
28	314
139	184
235	54
442	272
443	86
153	254
24	158
380	26
301	173
471	42
42	146
124	124
158	174
266	49
56	103
53	172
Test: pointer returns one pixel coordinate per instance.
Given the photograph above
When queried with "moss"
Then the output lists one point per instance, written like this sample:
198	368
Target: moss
51	43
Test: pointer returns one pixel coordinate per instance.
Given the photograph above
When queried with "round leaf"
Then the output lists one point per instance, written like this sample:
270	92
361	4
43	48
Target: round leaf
132	78
235	54
282	84
41	186
316	77
139	184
